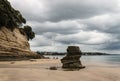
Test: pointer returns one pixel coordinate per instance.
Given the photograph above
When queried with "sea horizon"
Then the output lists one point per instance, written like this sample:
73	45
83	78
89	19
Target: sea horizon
107	59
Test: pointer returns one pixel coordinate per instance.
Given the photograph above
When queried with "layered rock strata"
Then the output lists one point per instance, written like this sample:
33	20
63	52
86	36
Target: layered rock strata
13	44
72	59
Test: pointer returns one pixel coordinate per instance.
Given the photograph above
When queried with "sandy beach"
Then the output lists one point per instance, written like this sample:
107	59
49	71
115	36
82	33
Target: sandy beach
38	71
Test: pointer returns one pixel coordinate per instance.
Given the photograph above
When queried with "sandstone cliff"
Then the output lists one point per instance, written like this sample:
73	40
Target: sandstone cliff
13	39
14	45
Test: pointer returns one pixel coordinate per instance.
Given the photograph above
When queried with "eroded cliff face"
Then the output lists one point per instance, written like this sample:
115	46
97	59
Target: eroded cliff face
13	39
15	44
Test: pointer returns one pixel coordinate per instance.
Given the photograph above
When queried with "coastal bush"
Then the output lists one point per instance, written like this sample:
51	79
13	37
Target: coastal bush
27	31
11	19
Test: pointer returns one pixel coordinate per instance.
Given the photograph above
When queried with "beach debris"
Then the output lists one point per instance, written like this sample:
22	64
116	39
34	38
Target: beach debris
53	57
72	59
53	68
33	60
56	58
12	62
47	58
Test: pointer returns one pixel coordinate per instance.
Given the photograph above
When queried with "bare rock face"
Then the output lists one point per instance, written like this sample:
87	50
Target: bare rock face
13	44
72	59
13	39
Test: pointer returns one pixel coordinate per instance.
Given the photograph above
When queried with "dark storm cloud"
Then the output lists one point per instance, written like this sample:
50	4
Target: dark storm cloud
83	37
57	10
62	27
91	24
108	23
40	41
79	9
112	46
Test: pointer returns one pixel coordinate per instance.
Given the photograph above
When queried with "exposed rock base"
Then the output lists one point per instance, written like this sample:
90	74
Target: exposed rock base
14	45
72	59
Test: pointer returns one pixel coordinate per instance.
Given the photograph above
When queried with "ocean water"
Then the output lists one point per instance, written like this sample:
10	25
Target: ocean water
109	59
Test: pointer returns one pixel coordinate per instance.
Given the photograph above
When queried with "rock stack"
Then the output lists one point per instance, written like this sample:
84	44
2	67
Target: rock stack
72	59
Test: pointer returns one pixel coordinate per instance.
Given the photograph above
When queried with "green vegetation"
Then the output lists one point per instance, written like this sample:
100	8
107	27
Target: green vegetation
11	18
28	31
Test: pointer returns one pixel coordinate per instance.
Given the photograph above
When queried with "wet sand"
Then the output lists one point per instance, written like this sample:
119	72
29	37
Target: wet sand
38	71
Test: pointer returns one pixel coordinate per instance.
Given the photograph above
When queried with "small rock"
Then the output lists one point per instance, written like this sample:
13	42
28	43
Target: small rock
12	62
53	68
32	60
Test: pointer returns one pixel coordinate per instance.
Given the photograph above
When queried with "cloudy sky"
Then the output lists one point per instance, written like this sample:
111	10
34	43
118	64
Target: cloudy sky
94	25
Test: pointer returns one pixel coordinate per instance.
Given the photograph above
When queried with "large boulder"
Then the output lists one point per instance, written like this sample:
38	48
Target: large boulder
72	59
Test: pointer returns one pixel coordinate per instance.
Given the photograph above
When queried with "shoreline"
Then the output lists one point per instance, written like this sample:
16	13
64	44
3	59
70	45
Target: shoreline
20	58
38	70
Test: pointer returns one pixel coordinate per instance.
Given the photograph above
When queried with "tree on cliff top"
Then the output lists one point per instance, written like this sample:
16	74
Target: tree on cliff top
11	18
28	30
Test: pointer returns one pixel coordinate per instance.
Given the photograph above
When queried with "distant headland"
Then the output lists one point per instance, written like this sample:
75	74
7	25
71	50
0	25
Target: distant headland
64	53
